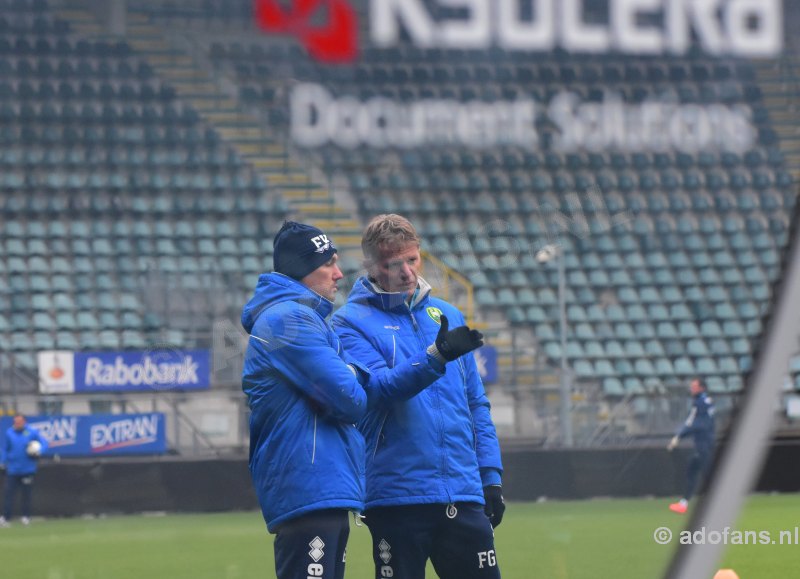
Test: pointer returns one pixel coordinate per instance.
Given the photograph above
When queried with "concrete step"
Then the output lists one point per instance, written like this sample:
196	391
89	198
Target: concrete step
143	30
777	98
526	379
75	15
262	146
500	343
346	225
286	187
230	119
258	152
788	132
151	45
206	103
251	151
293	195
90	31
195	85
793	147
163	60
314	206
240	130
783	116
348	240
271	162
187	92
152	36
231	110
523	363
182	73
289	179
313	216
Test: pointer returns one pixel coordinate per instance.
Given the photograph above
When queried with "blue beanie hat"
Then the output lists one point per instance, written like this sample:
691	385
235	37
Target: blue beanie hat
299	249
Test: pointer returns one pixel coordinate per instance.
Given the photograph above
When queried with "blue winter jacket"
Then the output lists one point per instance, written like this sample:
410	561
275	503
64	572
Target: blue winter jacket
305	452
15	453
428	430
700	423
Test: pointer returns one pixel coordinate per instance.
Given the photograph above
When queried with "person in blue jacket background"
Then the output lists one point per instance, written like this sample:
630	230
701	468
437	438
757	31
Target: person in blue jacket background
700	426
306	455
433	459
20	460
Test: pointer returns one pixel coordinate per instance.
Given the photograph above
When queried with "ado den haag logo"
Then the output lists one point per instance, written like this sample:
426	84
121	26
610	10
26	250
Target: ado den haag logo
334	40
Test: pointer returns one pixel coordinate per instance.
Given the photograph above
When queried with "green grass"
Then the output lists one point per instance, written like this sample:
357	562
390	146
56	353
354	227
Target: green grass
552	540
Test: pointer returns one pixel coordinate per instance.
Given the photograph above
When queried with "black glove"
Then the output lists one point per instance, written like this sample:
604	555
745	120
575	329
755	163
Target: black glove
495	505
451	344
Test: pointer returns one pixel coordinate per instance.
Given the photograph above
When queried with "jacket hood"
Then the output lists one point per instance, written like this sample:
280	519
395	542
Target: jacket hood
274	288
365	291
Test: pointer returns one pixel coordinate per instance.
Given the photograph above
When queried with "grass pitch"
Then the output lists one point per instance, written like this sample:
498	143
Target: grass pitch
597	539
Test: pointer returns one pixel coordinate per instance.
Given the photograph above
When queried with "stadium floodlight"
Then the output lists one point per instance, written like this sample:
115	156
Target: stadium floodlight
546	254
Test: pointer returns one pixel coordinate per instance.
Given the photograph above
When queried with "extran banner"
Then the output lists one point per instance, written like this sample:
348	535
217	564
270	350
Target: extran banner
98	434
63	372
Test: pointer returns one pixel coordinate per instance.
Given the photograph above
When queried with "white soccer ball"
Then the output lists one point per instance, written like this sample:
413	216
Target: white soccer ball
34	448
545	254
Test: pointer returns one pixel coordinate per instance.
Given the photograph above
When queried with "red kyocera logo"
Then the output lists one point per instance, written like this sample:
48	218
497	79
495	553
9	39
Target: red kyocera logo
335	40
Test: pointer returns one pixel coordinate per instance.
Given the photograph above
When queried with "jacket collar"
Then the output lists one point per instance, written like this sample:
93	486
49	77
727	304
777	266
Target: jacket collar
390	301
308	297
274	288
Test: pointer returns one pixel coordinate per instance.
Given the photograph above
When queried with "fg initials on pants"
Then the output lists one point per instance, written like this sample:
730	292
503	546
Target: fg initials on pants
487	557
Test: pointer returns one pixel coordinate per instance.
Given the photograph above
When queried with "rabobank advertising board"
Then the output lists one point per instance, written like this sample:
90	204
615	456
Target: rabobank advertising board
98	434
64	372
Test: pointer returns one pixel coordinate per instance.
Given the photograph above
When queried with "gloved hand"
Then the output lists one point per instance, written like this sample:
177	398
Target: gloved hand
451	344
673	443
495	505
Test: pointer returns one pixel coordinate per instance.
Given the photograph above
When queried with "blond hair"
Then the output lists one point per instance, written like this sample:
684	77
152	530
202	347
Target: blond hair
387	233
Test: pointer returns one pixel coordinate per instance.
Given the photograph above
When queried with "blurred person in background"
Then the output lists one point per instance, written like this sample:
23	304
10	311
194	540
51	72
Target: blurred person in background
700	426
306	455
19	458
433	459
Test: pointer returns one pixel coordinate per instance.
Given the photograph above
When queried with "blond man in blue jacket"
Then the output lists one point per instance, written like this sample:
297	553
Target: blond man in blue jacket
433	460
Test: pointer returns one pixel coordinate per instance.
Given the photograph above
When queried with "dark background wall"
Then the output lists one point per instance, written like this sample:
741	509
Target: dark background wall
77	487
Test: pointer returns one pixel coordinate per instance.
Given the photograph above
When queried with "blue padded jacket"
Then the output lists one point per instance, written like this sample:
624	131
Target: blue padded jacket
305	451
429	433
15	450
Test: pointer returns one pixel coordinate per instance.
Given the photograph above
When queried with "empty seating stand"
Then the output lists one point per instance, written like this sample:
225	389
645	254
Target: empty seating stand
125	221
682	279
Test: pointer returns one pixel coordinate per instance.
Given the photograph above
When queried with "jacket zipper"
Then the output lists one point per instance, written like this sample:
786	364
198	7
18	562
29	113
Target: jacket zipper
435	394
414	324
314	444
378	438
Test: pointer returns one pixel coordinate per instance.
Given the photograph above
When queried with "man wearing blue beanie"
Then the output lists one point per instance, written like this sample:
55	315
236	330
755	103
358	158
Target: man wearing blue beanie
305	395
